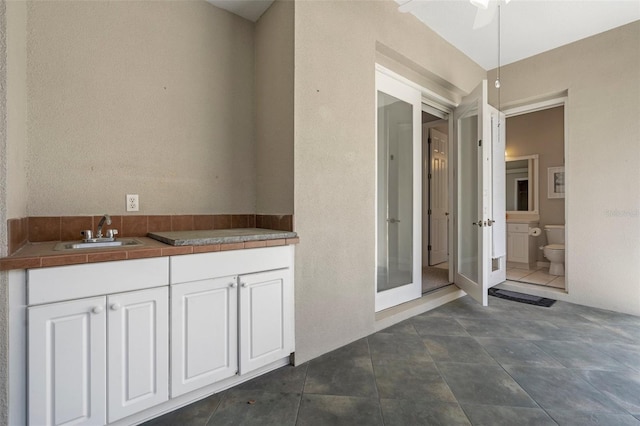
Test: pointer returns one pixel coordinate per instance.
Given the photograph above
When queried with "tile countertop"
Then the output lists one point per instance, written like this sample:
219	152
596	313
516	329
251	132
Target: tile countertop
39	255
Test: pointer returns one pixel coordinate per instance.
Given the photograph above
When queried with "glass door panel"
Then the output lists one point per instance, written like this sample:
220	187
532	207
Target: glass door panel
395	186
398	186
472	129
469	248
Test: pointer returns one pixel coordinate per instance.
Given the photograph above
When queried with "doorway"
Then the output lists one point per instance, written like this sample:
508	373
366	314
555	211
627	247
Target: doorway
475	230
536	135
436	195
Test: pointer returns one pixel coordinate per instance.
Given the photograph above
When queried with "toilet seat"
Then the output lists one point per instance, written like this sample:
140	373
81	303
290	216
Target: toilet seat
555	246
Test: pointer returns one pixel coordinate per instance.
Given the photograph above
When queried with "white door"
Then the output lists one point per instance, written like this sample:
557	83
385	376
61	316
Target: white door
480	261
498	214
138	348
266	318
67	363
398	193
438	197
204	333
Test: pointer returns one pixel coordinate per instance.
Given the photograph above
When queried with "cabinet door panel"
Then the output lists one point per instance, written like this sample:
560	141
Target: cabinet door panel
67	366
265	318
204	333
519	247
138	351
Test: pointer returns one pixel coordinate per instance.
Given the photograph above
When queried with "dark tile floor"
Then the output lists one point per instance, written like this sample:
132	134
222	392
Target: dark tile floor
460	364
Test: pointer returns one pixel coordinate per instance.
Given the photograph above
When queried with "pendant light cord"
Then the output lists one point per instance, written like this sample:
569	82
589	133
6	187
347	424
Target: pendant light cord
498	83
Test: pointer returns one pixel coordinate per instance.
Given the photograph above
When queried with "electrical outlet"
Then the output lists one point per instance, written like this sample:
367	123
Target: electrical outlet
133	204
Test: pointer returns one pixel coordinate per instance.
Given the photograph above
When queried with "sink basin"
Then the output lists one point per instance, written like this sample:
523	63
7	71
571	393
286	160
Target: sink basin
77	245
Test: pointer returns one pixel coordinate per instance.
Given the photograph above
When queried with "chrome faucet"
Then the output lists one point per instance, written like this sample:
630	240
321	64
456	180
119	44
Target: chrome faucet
104	219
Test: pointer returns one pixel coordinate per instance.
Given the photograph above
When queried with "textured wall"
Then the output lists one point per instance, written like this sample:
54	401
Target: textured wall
153	98
335	54
16	109
601	164
4	332
274	110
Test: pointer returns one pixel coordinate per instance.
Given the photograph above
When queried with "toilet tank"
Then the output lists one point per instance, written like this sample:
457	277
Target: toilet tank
555	234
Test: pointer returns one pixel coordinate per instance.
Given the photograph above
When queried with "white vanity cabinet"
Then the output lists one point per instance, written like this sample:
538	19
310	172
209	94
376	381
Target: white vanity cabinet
232	313
521	247
97	359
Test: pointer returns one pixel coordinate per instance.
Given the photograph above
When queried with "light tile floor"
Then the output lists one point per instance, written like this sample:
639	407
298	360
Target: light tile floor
460	364
539	276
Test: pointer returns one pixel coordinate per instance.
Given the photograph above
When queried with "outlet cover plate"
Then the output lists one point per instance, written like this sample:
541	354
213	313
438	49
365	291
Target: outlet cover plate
133	203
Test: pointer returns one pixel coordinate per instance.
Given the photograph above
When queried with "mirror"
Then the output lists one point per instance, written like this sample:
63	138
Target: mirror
522	184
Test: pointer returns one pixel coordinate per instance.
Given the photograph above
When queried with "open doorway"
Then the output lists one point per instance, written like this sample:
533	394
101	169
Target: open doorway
436	194
535	144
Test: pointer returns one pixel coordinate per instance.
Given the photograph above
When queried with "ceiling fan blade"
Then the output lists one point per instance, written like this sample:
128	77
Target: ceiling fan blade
485	16
483	4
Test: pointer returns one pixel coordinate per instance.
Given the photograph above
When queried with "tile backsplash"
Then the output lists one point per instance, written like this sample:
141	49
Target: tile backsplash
17	233
64	228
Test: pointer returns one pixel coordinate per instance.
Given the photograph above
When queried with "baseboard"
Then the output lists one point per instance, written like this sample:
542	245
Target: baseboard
430	301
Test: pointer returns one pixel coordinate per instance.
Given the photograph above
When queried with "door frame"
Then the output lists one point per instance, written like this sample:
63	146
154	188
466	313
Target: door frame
427	155
528	106
431	100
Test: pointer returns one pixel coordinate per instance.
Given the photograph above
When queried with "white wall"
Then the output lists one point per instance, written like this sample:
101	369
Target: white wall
336	47
602	76
153	98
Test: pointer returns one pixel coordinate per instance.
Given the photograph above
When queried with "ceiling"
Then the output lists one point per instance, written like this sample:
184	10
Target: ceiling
528	27
248	9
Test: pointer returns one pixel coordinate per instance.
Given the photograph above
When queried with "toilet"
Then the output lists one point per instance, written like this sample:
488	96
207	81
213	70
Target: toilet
554	250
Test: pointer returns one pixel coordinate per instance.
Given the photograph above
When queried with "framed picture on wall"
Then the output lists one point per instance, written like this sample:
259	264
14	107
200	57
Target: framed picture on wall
555	182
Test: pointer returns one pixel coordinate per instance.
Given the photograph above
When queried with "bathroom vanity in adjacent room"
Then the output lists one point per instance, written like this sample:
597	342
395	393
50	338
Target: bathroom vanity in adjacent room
522	250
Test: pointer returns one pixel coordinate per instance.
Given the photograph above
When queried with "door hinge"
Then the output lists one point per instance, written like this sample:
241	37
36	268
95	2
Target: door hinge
428	140
429	176
429	211
429	247
480	142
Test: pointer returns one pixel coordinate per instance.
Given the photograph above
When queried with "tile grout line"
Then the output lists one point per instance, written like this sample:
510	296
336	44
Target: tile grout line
435	364
513	378
213	412
375	380
304	384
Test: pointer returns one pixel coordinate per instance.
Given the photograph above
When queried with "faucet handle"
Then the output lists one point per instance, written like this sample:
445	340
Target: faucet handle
111	233
87	233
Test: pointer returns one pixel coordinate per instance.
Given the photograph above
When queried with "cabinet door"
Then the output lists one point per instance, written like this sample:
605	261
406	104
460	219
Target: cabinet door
204	342
66	361
138	342
266	318
518	250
